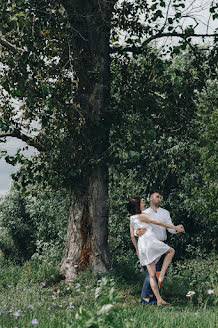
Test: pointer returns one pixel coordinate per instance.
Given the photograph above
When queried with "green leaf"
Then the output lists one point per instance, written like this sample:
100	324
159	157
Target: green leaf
212	10
170	28
16	93
153	7
176	50
134	154
20	15
189	31
158	13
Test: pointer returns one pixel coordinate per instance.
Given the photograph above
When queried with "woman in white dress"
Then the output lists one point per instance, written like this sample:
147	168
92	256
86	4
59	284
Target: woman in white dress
150	249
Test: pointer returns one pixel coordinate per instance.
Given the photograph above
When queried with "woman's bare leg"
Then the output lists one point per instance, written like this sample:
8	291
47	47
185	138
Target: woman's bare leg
167	260
153	282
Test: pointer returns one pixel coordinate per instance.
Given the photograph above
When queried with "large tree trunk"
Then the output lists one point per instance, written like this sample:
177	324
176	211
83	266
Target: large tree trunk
88	229
88	222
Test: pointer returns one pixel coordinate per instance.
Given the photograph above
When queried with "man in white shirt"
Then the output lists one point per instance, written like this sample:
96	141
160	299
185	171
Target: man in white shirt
162	215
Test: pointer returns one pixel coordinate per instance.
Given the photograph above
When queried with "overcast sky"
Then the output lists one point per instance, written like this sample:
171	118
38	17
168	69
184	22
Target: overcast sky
6	169
13	144
5	179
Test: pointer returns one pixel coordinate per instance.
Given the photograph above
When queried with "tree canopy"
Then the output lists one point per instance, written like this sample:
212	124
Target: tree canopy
39	67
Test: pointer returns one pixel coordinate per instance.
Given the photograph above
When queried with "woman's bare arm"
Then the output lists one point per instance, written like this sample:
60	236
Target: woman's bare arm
132	235
147	219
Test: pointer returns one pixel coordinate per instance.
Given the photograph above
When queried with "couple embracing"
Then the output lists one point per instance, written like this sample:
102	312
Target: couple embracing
153	252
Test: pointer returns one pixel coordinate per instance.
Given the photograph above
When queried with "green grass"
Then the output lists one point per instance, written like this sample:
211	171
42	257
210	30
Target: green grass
34	291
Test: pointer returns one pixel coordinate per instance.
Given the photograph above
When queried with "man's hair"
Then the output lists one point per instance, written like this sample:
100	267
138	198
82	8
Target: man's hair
134	205
155	190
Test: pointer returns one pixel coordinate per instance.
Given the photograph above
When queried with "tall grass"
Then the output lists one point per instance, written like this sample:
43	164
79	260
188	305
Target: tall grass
33	295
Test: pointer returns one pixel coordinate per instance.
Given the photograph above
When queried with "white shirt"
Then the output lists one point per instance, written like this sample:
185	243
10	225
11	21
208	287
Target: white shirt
161	215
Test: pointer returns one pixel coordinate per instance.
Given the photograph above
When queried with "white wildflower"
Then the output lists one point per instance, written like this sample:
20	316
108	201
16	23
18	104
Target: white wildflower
190	293
71	306
17	313
34	322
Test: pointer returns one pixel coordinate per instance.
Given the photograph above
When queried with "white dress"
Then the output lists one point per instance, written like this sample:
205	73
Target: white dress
149	247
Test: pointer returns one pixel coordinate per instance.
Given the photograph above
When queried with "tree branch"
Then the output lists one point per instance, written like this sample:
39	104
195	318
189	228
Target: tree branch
17	134
9	46
138	50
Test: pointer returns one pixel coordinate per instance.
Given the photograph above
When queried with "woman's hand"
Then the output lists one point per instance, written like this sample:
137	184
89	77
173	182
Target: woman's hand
180	228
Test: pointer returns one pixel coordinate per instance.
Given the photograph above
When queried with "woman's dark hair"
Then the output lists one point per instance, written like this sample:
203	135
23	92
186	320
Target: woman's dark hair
133	206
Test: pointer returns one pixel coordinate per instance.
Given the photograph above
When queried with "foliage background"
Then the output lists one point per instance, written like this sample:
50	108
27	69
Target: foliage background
163	134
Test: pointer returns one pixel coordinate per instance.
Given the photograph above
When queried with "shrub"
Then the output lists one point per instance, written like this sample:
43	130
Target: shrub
33	225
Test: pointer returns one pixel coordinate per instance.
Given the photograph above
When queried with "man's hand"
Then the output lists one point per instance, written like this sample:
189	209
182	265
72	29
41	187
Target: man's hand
180	228
140	231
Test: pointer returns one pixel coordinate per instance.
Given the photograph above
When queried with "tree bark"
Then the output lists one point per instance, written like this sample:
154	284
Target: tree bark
88	220
87	233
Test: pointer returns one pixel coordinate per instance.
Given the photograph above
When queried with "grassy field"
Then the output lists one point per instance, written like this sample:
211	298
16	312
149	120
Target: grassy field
32	295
